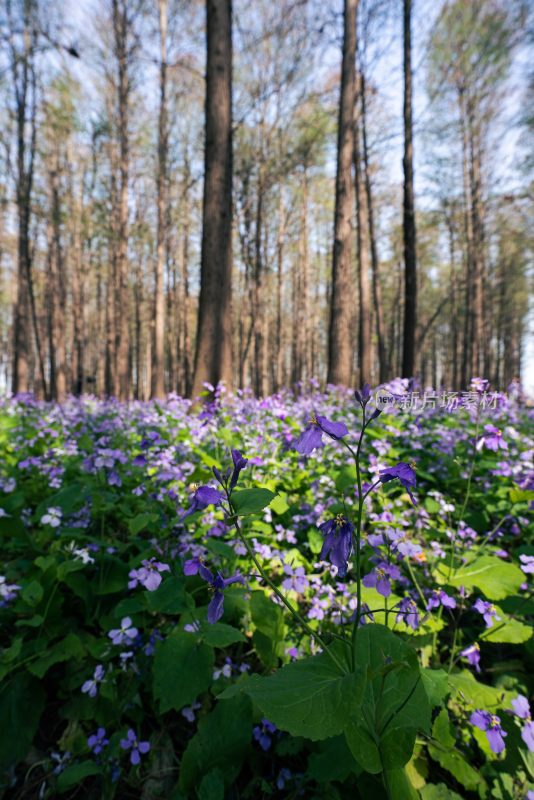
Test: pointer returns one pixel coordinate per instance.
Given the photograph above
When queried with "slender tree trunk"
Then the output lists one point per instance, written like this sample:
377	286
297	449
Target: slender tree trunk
280	344
383	367
408	225
158	369
341	301
362	219
213	358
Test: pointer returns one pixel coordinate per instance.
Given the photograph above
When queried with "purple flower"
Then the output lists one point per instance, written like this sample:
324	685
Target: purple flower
338	542
239	464
408	613
189	711
488	611
203	496
491	724
137	748
8	591
90	687
312	437
406	475
148	575
527	564
521	707
380	577
262	734
363	397
296	579
192	566
218	584
52	517
440	598
527	734
472	653
492	439
97	741
125	634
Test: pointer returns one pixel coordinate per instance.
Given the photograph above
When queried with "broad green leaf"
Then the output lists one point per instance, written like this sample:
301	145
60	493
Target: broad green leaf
310	697
69	648
182	670
21	703
508	630
212	786
479	695
438	792
381	735
32	593
251	501
315	540
220	634
141	521
221	742
279	504
493	576
169	598
269	636
332	761
436	685
76	773
399	785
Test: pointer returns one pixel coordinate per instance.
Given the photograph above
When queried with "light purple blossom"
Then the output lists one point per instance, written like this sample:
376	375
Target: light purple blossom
408	613
380	577
472	653
52	517
125	634
8	591
440	598
312	437
148	574
492	439
136	747
488	611
97	741
521	708
527	564
90	687
491	725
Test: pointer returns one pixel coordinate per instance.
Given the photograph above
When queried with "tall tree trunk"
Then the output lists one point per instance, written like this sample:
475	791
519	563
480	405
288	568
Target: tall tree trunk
59	291
408	223
362	228
120	33
158	368
213	358
341	300
279	289
383	367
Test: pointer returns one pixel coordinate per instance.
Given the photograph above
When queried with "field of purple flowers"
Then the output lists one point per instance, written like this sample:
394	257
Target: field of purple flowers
300	596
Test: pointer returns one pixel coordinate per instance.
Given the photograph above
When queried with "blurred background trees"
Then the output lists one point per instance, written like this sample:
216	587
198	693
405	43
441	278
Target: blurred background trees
124	272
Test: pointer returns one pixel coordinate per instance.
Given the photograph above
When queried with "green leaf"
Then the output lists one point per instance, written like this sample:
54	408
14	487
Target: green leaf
381	735
279	504
509	631
493	576
251	501
169	598
221	742
310	697
32	593
315	540
269	637
438	792
479	695
76	773
182	670
332	762
21	704
141	521
448	757
220	634
212	786
69	648
400	787
436	685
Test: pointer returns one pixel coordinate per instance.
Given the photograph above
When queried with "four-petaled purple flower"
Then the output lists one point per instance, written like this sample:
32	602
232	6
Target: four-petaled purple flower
262	733
492	439
521	708
380	577
136	747
218	584
90	687
97	741
312	437
472	653
148	574
440	598
408	613
203	496
406	475
125	634
488	611
338	542
491	725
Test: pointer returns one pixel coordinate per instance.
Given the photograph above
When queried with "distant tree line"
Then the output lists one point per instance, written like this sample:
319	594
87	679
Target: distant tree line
193	193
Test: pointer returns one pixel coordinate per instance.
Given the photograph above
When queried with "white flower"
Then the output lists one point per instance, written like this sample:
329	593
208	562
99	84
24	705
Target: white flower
52	517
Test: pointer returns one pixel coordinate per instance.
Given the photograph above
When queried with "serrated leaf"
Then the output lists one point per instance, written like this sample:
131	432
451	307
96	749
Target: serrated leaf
182	670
